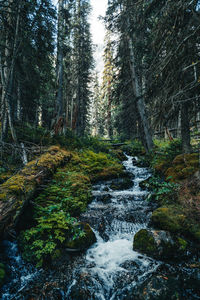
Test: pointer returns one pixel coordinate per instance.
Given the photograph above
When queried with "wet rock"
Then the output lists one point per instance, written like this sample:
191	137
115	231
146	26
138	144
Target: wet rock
82	242
159	244
122	184
158	288
81	290
140	162
105	198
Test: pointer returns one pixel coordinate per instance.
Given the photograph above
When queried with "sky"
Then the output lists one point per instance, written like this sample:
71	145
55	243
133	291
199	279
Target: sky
97	30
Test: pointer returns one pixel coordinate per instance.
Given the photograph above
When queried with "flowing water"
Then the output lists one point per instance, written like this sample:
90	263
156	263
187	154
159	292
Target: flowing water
110	269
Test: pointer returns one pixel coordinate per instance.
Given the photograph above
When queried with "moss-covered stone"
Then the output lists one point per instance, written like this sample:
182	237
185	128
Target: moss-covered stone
175	220
168	218
182	167
82	242
144	242
159	244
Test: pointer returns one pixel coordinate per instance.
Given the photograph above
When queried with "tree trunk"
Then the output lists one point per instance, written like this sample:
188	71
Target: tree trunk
140	100
185	129
60	41
8	73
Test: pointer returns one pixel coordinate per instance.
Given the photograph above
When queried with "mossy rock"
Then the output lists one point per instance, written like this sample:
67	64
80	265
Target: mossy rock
159	244
144	242
161	167
168	218
82	243
183	166
2	274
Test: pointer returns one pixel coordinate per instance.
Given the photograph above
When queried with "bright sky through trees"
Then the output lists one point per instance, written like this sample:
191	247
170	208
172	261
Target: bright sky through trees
98	30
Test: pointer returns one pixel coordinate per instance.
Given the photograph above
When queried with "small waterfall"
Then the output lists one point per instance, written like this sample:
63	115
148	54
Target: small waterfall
112	258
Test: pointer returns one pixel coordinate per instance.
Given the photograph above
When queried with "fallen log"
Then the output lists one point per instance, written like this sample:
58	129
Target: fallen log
18	190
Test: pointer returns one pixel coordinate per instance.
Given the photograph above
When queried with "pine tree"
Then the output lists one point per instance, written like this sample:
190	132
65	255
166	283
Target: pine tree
107	84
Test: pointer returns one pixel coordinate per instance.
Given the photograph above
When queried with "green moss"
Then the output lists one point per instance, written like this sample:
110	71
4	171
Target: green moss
2	274
144	242
182	167
168	218
182	244
64	199
98	166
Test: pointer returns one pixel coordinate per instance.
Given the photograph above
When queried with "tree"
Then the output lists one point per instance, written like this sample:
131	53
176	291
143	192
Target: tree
107	84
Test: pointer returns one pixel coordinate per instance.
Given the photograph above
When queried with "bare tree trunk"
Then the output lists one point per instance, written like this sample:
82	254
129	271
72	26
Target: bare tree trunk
140	100
60	41
185	129
10	55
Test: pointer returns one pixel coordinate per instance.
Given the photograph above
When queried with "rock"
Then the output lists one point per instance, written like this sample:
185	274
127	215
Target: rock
140	162
82	243
167	218
105	198
2	274
122	184
83	288
159	244
158	288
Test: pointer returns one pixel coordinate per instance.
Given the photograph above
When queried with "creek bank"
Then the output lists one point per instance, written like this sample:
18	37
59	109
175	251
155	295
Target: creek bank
176	191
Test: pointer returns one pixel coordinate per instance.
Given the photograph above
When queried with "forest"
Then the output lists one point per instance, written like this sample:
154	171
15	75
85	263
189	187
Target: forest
100	169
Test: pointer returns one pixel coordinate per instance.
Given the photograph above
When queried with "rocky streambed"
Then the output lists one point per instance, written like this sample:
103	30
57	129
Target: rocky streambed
110	269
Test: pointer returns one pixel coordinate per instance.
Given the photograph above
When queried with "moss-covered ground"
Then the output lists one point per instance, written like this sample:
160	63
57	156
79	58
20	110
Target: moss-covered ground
175	186
57	208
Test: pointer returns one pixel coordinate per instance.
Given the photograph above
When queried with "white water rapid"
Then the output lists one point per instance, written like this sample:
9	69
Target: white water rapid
111	263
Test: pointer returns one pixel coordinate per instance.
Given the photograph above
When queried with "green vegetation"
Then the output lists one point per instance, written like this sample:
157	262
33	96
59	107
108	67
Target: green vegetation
163	192
144	242
64	199
42	243
2	274
174	189
134	148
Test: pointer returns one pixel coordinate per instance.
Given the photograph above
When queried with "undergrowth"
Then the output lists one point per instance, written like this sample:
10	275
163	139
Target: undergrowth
57	208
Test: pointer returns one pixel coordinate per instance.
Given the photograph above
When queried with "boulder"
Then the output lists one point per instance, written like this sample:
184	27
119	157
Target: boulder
168	218
122	184
159	244
83	242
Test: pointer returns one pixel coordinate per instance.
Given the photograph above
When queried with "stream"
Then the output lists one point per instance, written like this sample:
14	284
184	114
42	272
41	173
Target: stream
110	269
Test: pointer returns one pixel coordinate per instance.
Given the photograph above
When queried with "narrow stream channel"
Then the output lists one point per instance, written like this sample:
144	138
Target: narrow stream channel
111	264
110	269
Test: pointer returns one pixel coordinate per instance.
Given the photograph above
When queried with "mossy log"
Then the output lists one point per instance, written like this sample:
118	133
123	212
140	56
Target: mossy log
16	192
